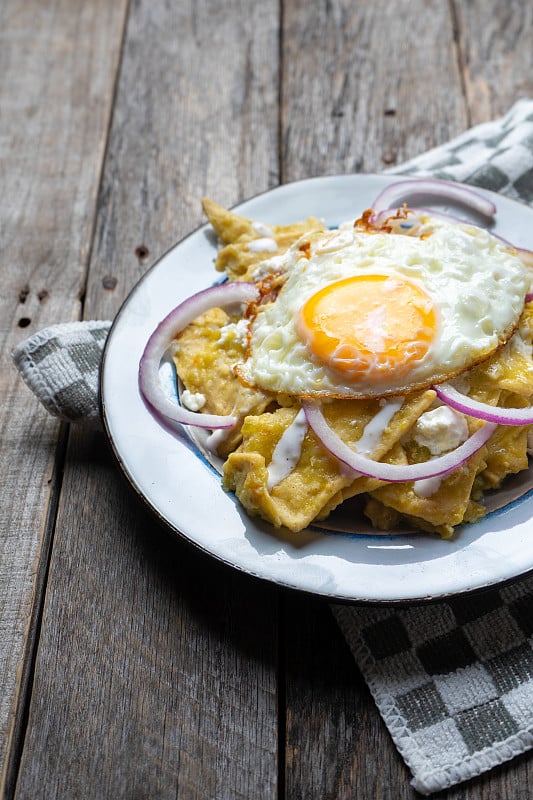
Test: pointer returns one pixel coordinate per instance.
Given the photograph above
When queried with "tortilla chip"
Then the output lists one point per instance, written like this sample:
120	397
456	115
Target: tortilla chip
236	258
505	380
506	454
509	369
228	226
204	356
388	519
446	506
398	426
362	485
297	499
318	482
381	516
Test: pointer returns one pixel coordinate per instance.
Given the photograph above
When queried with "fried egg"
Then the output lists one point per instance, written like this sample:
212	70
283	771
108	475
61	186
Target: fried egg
371	313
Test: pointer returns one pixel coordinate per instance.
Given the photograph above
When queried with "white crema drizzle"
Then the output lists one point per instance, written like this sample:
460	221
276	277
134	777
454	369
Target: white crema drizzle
287	451
263	245
373	432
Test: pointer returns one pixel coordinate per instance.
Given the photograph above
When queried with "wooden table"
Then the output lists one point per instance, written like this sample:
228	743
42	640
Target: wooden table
132	666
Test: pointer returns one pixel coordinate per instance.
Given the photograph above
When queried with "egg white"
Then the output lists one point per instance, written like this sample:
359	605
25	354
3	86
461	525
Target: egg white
476	282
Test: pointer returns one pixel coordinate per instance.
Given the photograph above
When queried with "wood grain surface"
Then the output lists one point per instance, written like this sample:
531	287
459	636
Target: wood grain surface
496	54
367	85
132	665
57	68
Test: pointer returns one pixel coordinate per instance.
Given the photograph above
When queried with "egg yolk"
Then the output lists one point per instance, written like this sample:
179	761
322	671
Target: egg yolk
368	326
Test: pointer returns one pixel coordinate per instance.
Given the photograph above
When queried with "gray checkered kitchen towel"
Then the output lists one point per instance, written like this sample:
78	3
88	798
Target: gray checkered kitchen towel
453	681
61	365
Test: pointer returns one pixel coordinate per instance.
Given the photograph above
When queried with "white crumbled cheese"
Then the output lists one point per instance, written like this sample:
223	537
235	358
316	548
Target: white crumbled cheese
234	331
194	401
427	486
263	230
440	430
263	245
270	266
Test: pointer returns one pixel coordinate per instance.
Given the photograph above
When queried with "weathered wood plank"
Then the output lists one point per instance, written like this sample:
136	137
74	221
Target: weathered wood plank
336	747
205	121
496	48
57	67
366	85
155	675
160	665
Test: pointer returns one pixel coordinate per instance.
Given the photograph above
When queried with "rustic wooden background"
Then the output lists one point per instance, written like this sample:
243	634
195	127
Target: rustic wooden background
131	666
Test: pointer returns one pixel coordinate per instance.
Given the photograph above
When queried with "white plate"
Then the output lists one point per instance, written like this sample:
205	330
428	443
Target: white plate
185	492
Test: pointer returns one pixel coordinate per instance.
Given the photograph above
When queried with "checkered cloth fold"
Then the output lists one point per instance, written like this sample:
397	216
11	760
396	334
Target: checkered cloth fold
454	680
61	364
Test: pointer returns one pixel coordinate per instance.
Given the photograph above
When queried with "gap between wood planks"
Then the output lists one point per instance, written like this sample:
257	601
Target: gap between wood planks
34	624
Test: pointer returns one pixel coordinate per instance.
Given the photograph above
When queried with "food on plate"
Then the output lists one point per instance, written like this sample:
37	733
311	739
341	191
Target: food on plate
385	365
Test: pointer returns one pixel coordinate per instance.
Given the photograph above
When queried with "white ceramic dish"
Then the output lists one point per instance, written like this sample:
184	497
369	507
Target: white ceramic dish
184	490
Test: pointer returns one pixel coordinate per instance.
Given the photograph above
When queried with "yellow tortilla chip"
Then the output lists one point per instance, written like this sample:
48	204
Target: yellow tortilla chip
506	454
509	369
297	499
228	226
317	481
446	506
388	519
239	258
204	356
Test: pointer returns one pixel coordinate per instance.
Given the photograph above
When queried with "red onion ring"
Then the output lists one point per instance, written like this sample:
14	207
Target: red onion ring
219	296
474	408
393	473
396	193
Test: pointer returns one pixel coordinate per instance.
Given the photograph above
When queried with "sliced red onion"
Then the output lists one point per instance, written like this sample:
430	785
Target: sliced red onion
393	473
402	191
474	408
219	296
